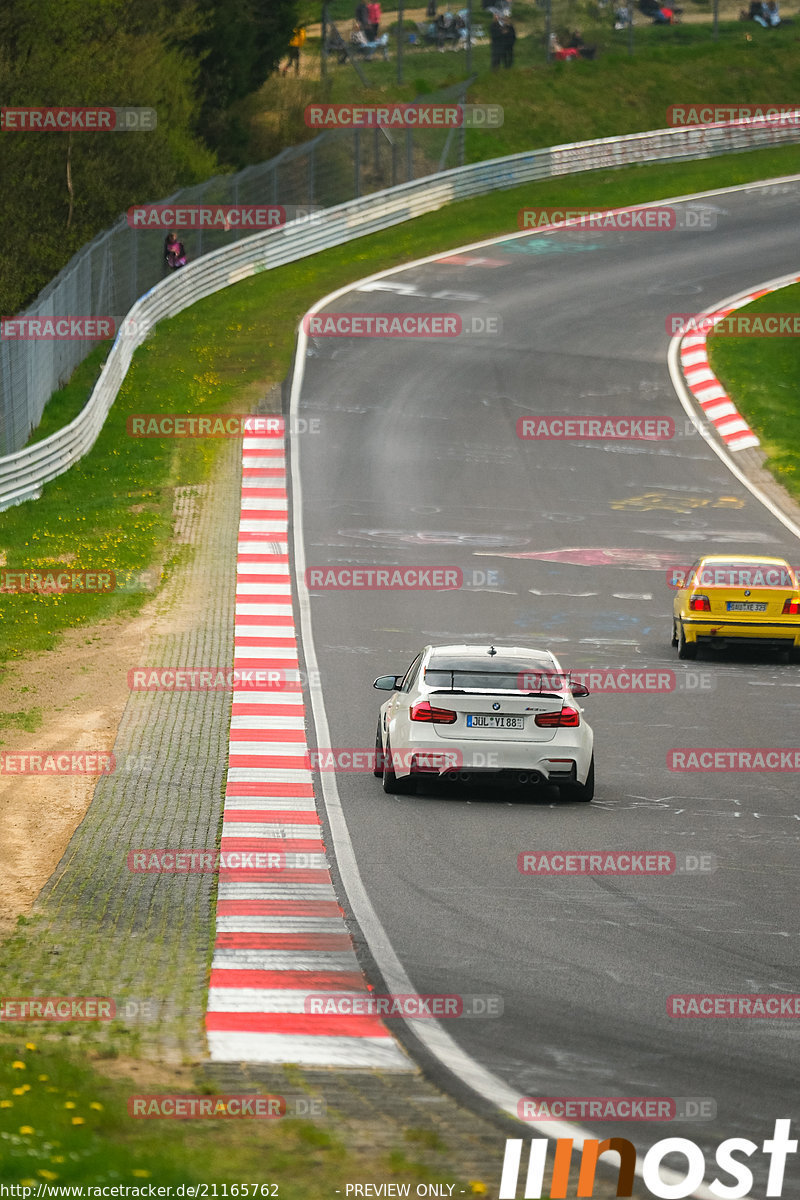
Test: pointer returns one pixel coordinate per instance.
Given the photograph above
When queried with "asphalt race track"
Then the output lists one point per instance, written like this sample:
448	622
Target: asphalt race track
417	462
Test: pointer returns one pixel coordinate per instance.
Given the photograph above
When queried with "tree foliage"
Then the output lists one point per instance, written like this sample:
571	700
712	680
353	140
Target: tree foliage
187	59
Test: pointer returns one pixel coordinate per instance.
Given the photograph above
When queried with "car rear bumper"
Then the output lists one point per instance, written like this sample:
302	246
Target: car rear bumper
720	629
564	758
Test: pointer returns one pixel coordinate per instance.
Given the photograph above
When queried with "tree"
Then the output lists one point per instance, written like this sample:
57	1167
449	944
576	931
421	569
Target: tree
239	46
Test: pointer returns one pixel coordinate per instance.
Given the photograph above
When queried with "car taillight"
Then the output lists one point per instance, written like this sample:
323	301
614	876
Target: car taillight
700	603
791	607
422	711
565	718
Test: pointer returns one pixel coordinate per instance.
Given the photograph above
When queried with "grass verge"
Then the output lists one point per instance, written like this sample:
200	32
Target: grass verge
64	1121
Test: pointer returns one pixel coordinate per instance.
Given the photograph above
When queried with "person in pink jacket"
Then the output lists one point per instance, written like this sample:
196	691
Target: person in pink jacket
374	18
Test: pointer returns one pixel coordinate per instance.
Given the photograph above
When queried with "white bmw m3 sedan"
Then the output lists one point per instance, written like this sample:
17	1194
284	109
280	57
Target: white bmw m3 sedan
481	712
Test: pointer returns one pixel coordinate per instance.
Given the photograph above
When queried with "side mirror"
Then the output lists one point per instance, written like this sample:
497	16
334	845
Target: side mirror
579	690
388	683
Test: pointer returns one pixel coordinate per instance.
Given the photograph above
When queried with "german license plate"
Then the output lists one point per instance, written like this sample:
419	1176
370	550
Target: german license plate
486	721
742	606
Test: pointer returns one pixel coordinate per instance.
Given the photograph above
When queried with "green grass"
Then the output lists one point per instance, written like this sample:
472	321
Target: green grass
762	376
27	719
546	104
113	509
62	1122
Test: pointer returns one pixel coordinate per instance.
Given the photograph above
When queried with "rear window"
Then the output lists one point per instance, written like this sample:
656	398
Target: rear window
744	575
502	673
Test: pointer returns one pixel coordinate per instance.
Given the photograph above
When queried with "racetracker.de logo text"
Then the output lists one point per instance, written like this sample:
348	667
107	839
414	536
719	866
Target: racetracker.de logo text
614	429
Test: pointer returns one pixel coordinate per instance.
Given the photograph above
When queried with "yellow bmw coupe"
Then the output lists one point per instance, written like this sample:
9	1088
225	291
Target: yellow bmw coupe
742	600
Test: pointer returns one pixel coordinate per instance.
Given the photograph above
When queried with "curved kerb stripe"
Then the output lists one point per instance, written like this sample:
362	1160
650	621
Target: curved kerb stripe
707	390
280	933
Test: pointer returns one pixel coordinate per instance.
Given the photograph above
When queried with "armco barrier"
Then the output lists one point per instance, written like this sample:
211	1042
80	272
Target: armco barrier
23	473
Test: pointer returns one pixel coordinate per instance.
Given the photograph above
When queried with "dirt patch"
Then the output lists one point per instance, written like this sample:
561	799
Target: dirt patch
72	699
81	689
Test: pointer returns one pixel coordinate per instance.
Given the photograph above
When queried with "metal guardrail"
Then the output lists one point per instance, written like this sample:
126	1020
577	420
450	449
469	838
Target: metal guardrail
23	473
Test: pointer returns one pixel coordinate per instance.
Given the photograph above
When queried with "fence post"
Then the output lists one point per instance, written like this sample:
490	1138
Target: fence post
323	57
469	37
356	163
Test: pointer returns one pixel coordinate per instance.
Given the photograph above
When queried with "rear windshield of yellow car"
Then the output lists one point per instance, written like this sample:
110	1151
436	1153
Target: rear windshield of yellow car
732	574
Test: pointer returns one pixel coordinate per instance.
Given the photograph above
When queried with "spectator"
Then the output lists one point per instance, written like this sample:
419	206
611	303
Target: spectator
445	29
576	42
373	20
497	38
509	37
362	17
562	53
764	14
432	9
365	47
174	253
622	16
296	42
